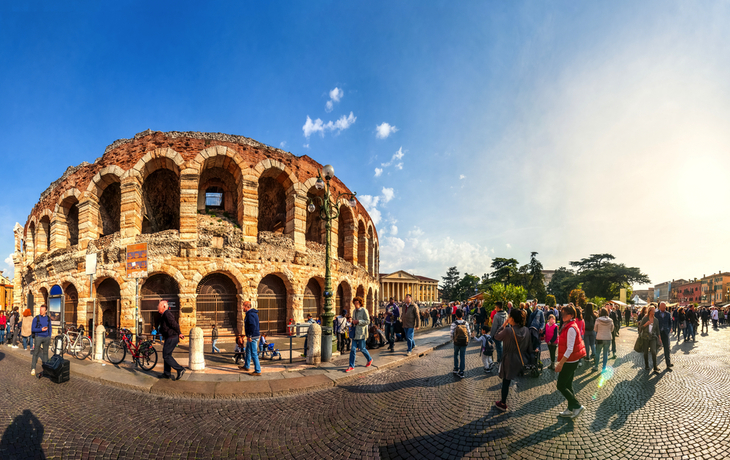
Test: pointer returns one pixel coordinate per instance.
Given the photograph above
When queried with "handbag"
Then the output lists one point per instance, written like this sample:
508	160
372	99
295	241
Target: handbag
682	325
519	352
640	343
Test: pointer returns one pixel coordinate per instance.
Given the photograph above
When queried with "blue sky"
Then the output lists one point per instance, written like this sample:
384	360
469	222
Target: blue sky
564	128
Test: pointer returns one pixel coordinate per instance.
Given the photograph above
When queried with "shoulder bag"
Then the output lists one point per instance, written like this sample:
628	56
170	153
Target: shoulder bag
519	352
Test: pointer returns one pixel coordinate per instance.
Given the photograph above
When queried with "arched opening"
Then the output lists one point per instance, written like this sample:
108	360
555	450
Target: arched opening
345	230
161	202
31	230
158	287
109	299
30	302
360	292
313	299
272	206
45	232
70	305
371	252
315	229
70	210
344	297
217	192
362	248
369	302
44	293
216	303
110	209
272	296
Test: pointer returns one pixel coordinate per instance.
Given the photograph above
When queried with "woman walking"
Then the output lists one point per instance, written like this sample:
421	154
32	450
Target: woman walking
589	319
649	329
551	338
604	330
570	350
681	324
515	338
580	322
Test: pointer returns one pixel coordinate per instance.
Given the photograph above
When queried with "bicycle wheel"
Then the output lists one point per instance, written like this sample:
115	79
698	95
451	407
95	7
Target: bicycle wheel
148	358
115	352
83	348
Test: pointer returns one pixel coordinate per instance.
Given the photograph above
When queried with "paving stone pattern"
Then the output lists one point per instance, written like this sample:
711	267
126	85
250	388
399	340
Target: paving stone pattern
417	410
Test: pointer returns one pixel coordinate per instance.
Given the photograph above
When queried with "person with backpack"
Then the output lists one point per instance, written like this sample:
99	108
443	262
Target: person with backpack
516	339
460	336
43	330
487	348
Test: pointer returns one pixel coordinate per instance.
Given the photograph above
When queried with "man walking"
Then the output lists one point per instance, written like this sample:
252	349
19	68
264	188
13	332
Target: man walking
498	320
392	313
411	322
460	336
42	329
616	318
481	317
360	321
705	315
251	326
665	329
170	330
715	318
692	323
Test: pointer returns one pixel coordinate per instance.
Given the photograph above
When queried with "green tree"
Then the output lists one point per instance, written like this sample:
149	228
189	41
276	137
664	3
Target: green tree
508	293
504	270
578	297
550	300
484	283
466	287
450	281
562	282
536	285
601	277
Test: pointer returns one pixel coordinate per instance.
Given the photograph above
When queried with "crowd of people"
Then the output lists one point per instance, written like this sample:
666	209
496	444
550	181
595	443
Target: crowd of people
15	328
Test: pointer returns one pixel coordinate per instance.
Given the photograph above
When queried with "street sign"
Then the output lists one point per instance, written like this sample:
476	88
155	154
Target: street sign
91	264
137	260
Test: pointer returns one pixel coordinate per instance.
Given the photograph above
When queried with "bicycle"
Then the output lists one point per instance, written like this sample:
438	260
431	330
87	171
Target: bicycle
144	355
75	343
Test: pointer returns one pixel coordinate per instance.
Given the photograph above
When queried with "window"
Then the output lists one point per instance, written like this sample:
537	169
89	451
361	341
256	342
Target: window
213	199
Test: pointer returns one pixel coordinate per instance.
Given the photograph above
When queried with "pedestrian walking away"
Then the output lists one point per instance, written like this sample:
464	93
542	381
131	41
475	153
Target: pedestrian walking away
516	339
214	335
487	349
499	318
253	334
392	314
649	330
360	322
43	331
570	350
26	332
170	330
604	337
411	322
665	324
460	336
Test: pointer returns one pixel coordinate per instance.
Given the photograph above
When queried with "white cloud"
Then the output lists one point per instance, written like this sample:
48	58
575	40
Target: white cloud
509	246
384	130
378	172
395	158
318	126
335	96
461	177
416	232
387	194
306	146
10	269
399	166
369	202
282	144
393	230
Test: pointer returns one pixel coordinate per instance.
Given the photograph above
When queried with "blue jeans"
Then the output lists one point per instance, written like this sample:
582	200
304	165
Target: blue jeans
688	330
459	353
252	353
389	333
353	350
215	349
590	343
601	345
27	342
2	335
498	347
409	338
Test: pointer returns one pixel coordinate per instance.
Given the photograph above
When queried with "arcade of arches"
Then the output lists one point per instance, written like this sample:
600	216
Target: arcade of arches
225	219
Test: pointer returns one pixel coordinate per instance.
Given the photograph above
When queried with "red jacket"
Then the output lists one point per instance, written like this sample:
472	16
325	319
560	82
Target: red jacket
579	348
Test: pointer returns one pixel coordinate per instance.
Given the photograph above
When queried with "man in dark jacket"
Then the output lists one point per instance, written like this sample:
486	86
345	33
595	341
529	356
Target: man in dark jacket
615	316
665	329
43	330
251	326
692	320
170	331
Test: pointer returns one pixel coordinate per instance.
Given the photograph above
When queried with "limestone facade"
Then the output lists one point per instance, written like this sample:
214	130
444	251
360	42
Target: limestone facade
400	283
225	219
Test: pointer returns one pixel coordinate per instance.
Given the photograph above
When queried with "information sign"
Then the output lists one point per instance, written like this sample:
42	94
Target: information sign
137	260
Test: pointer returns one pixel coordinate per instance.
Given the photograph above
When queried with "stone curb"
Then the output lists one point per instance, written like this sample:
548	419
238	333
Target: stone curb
263	388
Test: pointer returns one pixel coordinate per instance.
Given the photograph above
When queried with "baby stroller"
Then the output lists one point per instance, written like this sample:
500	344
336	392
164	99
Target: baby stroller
533	363
270	352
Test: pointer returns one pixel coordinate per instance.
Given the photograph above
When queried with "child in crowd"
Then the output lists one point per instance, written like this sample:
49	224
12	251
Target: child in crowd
262	343
215	339
487	351
551	338
240	350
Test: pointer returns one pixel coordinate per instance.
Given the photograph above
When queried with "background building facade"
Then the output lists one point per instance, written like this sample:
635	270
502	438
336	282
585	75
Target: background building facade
400	283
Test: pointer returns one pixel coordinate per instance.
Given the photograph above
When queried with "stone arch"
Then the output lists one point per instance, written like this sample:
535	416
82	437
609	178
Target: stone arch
220	170
156	159
369	302
362	244
70	303
43	293
44	231
346	234
360	292
276	196
157	268
273	296
105	193
216	304
221	267
343	297
371	251
65	226
158	286
108	301
315	230
313	298
32	239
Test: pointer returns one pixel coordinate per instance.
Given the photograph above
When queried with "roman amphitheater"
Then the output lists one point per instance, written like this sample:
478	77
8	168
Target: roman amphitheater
225	219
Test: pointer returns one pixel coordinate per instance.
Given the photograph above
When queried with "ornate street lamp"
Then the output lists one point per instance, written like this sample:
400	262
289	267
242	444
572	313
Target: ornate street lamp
328	211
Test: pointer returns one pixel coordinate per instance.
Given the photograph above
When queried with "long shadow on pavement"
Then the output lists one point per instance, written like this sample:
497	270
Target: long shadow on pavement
627	397
23	438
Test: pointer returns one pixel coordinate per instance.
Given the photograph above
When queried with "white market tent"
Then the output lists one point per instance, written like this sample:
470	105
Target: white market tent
637	301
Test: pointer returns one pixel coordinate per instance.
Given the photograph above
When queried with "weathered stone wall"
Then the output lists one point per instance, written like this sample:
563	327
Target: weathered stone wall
147	183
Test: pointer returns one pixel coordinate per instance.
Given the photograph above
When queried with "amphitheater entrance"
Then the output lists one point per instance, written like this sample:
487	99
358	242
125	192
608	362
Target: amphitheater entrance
343	299
272	305
313	299
70	305
109	300
216	304
157	287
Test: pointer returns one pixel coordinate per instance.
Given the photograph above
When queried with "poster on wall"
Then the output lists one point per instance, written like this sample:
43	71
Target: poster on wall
54	309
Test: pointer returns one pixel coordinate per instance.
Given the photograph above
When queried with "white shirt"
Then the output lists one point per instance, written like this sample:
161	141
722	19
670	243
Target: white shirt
572	337
715	315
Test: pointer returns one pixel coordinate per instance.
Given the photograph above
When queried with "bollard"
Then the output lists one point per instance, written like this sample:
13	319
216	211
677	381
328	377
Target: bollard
314	344
197	357
99	341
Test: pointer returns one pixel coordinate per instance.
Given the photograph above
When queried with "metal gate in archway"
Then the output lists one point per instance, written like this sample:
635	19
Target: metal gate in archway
216	303
272	305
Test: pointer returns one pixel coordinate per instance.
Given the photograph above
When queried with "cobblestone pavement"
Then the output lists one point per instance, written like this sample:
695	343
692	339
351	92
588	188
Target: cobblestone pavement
418	410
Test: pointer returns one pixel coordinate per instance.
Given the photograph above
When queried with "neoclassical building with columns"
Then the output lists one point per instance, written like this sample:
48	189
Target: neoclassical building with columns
225	219
400	283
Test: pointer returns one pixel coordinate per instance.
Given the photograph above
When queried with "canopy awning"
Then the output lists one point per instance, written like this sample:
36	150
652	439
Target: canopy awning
619	303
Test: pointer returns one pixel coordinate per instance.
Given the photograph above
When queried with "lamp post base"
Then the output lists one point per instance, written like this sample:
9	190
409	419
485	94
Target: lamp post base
326	344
